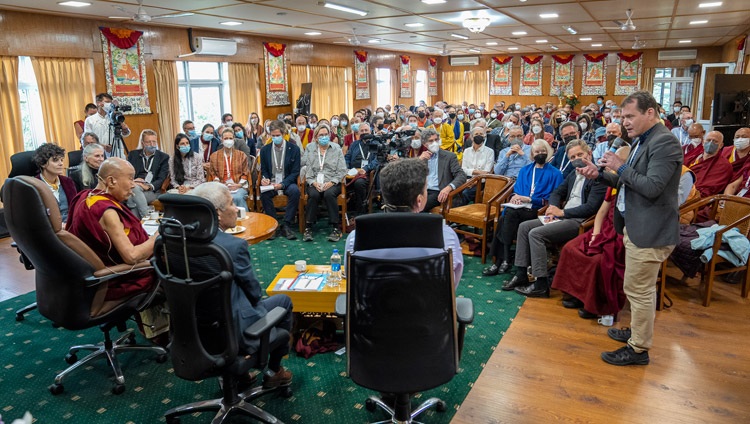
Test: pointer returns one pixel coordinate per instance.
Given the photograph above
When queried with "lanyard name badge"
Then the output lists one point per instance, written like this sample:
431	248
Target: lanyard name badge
321	178
621	193
533	182
744	189
278	174
364	158
149	174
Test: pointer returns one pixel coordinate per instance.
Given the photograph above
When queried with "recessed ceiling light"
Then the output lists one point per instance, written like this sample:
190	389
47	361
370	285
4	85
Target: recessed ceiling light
346	9
230	23
711	4
685	41
519	33
313	33
491	43
698	22
548	15
585	38
374	41
414	25
463	37
541	41
554	47
474	50
512	48
433	1
74	3
570	29
596	45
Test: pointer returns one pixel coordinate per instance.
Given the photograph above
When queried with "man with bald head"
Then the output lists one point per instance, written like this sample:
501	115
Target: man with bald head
694	149
712	171
681	131
102	221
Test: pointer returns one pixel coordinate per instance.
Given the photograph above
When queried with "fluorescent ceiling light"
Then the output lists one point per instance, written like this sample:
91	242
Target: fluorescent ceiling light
570	29
541	41
491	43
463	37
596	45
346	9
519	33
230	23
698	22
313	33
548	15
554	47
414	25
585	39
474	50
711	4
374	41
74	3
433	1
685	41
512	48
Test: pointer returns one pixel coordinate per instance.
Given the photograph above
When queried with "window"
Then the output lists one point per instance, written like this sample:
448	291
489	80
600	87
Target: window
32	119
383	78
203	91
420	89
672	84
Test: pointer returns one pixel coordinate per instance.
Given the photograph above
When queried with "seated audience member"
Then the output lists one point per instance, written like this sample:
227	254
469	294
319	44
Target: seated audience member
460	126
447	141
84	176
741	184
334	137
102	221
361	158
516	156
151	169
737	154
492	141
537	132
254	131
49	159
340	123
280	167
76	156
445	173
185	166
534	184
324	170
478	160
248	304
613	131
568	132
241	142
229	166
353	134
402	185
712	171
188	128
205	144
587	130
681	131
694	149
303	131
575	200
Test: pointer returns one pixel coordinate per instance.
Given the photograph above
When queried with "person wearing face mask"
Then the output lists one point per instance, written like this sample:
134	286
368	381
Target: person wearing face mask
557	118
478	160
99	124
511	120
353	135
341	126
538	131
612	132
364	160
712	171
188	128
694	149
89	110
495	119
229	166
514	157
587	130
533	186
241	143
445	173
674	114
151	170
303	131
185	167
205	144
280	164
681	132
423	118
447	140
459	126
737	154
569	132
254	131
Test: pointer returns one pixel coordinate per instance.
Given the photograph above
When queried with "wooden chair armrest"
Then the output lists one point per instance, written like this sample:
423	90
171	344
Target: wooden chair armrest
585	225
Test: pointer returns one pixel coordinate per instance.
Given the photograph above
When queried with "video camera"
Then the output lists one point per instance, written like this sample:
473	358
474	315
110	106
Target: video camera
116	115
383	145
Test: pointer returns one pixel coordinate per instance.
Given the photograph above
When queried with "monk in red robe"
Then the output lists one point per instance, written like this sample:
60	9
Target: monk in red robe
694	148
712	171
737	154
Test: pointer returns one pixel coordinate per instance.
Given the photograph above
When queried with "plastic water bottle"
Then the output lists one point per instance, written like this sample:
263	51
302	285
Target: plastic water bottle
334	279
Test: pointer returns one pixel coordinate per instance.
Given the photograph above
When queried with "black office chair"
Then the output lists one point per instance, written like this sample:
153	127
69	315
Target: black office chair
404	325
197	276
70	279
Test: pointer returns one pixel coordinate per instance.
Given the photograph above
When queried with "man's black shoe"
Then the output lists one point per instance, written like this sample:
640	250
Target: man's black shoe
515	282
490	270
625	356
586	314
288	233
621	335
572	303
275	234
503	268
531	291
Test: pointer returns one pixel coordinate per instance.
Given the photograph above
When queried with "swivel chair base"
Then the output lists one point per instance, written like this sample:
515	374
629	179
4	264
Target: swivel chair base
108	349
401	413
21	312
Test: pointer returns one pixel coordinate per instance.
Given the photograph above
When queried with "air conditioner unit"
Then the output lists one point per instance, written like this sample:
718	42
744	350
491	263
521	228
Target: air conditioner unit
678	54
464	61
214	46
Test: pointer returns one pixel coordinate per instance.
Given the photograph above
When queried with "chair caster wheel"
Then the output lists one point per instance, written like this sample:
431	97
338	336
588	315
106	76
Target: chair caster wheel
173	420
56	389
440	407
370	405
118	389
20	317
286	392
160	359
71	358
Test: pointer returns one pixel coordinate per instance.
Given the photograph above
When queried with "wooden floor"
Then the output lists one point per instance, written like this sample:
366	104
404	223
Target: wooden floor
547	366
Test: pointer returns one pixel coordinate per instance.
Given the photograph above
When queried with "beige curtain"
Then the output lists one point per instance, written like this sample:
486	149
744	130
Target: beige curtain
454	87
471	86
328	90
167	102
395	89
297	76
244	90
64	87
647	81
11	131
477	87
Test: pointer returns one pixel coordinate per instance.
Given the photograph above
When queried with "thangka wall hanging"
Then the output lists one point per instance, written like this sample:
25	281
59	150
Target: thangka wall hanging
361	81
531	76
628	73
432	76
501	75
277	82
562	74
594	81
125	68
405	77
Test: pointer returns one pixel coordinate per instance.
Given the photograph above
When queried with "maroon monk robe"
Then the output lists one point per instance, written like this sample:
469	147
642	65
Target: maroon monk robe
691	153
730	154
711	175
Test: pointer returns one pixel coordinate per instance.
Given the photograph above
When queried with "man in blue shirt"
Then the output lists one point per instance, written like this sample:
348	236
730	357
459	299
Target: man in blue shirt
512	159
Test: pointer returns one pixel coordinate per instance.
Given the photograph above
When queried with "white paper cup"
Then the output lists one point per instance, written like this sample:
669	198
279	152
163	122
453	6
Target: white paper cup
154	215
300	266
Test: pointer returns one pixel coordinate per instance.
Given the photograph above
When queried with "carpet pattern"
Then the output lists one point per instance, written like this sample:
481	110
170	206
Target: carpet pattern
32	352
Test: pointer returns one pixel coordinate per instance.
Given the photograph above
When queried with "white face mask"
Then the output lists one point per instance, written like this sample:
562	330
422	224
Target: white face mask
695	141
536	129
335	123
688	122
438	121
583	125
229	124
313	125
509	124
742	143
493	115
379	114
107	106
228	143
434	147
460	117
477	115
415	143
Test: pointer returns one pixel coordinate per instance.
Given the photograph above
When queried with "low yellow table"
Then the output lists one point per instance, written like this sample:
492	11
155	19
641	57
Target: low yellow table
309	301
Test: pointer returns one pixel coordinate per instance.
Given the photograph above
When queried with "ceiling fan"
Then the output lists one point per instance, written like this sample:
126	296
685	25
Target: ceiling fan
352	41
141	16
638	43
444	51
628	25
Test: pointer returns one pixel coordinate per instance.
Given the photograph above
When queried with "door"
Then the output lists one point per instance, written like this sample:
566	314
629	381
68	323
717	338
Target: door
704	113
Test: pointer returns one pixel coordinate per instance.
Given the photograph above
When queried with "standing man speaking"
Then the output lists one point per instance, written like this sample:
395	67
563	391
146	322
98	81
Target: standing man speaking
647	214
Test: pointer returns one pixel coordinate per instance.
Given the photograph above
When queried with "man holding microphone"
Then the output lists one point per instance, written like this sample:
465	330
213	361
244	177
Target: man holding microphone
647	214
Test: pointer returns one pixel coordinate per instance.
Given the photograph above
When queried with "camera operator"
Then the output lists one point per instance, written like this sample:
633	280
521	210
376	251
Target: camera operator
101	124
362	155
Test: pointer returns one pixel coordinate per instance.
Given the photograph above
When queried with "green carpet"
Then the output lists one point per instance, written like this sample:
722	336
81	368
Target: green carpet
32	351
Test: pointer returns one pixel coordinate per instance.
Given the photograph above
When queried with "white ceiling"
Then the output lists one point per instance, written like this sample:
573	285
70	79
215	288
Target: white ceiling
660	23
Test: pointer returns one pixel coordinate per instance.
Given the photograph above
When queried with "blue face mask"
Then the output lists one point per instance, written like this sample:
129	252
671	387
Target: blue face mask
207	137
471	111
616	121
413	125
192	133
184	149
355	127
599	102
151	149
277	139
323	140
239	134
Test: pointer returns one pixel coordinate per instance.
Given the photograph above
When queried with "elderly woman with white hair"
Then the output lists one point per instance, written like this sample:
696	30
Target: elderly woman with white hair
478	159
84	176
534	184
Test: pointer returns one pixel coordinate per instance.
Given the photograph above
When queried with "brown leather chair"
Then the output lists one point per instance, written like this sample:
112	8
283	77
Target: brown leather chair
71	281
341	200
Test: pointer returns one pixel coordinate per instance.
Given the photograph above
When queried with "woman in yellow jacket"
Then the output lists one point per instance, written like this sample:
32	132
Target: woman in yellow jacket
447	140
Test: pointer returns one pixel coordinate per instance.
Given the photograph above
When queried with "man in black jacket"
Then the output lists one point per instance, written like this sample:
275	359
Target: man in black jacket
582	198
279	167
151	169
